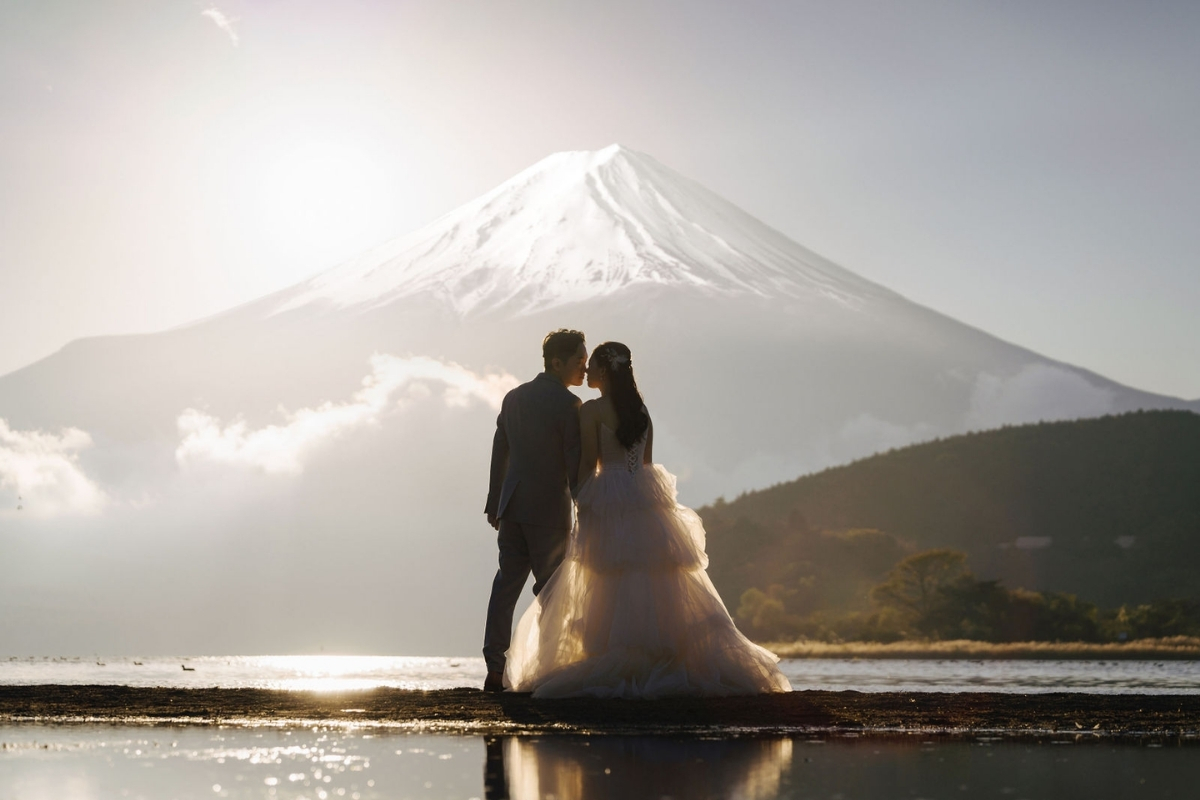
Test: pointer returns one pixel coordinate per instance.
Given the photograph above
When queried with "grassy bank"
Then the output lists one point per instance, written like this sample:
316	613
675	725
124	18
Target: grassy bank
1185	648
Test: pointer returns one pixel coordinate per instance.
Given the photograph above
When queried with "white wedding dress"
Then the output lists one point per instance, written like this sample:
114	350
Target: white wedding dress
631	611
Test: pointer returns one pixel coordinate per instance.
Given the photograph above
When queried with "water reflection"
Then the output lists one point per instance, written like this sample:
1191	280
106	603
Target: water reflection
531	768
40	762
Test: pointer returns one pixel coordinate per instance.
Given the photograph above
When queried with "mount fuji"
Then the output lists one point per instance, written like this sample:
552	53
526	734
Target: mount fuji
308	470
578	227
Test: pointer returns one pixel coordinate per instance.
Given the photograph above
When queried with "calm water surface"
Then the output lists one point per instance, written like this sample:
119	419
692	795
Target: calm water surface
364	672
103	761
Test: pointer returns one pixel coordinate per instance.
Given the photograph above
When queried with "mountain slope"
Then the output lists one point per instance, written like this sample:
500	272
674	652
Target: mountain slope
1106	509
336	433
728	320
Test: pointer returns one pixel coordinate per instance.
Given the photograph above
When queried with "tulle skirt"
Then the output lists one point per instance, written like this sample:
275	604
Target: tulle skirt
631	611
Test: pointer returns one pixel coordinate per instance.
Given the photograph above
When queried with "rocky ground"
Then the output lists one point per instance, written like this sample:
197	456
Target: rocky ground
470	710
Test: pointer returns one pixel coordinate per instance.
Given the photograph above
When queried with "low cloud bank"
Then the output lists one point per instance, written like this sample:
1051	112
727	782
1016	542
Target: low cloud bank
41	472
282	449
1039	392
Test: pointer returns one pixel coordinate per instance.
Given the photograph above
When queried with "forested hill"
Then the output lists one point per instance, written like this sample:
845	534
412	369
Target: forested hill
1107	509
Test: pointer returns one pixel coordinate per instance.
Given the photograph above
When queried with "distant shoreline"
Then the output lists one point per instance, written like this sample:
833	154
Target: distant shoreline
473	712
1177	648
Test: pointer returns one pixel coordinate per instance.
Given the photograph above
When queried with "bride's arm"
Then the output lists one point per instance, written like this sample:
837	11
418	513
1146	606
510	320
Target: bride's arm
648	456
589	442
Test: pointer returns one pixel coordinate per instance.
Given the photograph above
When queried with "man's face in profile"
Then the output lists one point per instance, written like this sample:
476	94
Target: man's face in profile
575	368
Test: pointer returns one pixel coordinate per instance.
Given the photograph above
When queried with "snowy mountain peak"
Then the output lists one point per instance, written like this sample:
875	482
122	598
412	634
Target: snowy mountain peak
576	226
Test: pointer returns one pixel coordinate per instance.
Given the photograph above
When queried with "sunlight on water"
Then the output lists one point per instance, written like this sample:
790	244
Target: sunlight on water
322	673
340	673
152	762
327	673
319	763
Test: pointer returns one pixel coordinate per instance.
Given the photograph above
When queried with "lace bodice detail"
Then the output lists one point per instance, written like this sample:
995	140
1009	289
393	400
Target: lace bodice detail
615	456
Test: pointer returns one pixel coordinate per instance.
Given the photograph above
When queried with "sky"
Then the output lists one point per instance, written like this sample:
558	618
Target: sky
1030	168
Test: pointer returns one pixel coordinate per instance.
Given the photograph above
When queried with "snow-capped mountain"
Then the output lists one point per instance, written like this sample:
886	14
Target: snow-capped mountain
579	226
321	454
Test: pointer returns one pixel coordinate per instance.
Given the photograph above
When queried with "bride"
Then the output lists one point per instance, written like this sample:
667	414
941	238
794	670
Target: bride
631	611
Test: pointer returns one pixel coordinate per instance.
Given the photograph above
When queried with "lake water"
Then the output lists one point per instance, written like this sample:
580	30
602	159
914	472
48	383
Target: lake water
361	763
364	672
104	761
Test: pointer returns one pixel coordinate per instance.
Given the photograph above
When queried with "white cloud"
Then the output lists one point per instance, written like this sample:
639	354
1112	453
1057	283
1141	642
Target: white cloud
1039	392
283	448
43	470
222	21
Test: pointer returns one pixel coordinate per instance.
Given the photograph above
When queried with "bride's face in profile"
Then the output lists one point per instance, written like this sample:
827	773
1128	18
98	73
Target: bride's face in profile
595	375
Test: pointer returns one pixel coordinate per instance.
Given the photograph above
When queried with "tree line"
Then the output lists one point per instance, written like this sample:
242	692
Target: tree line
933	595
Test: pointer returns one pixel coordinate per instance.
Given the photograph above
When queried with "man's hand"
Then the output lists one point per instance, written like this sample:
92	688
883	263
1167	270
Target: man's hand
493	521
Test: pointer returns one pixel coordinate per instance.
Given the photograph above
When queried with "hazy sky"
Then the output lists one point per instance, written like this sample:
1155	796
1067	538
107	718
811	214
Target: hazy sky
1031	168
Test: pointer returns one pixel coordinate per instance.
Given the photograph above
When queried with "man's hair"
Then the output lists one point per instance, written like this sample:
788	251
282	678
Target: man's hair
560	344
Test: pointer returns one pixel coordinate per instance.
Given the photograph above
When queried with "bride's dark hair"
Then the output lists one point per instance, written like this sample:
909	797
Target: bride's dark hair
623	391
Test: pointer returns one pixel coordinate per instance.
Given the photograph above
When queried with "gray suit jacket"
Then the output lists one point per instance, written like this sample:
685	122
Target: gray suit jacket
535	454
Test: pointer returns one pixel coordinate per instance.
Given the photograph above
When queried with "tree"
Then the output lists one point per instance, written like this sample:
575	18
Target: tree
764	615
915	586
968	609
1160	618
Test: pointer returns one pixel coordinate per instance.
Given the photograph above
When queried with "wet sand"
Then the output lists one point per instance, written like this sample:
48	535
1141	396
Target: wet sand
473	711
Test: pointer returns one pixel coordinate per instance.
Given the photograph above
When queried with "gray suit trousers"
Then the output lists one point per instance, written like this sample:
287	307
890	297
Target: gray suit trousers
524	548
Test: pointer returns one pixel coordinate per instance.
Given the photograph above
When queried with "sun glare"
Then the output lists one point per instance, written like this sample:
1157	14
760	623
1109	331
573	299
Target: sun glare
323	197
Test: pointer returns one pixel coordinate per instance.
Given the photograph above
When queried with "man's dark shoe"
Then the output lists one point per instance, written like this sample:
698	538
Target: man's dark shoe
494	682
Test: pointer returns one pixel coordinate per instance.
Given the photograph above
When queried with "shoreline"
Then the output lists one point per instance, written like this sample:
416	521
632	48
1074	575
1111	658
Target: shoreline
471	711
1179	648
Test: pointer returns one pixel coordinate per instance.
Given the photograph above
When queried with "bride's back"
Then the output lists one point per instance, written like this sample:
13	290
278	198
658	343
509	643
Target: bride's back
613	454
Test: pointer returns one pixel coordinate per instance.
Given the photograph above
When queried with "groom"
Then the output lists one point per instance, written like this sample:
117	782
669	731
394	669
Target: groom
535	455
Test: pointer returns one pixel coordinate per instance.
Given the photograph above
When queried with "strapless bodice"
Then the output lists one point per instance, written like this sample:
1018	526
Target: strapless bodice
615	456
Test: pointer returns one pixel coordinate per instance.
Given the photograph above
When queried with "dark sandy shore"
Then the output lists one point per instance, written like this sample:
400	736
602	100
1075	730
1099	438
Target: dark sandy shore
470	710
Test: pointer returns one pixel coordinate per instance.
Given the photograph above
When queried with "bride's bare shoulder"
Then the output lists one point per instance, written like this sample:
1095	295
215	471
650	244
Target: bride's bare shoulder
596	411
597	405
588	411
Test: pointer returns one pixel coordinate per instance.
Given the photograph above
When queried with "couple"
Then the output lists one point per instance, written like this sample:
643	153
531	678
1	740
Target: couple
623	606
